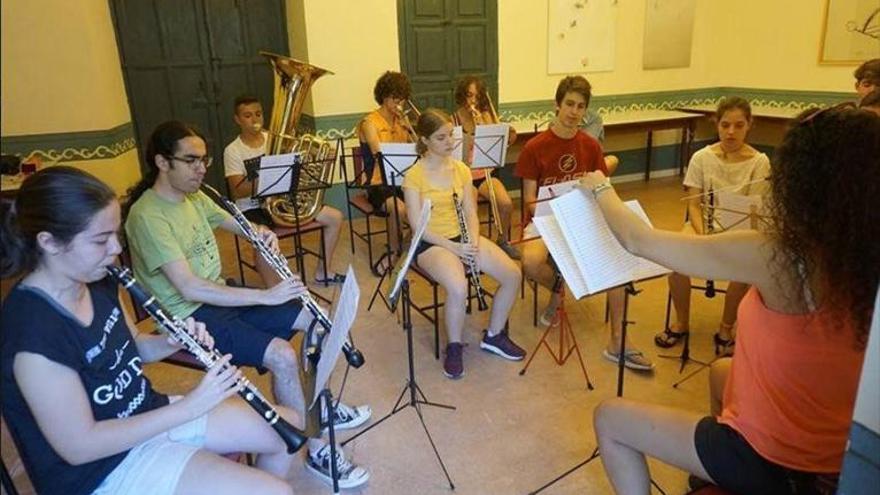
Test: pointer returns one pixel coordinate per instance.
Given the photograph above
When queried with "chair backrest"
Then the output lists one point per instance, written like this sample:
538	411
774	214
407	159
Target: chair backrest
360	178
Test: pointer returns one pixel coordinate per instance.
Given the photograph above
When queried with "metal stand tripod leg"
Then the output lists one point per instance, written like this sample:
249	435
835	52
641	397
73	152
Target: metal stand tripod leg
416	396
567	341
630	290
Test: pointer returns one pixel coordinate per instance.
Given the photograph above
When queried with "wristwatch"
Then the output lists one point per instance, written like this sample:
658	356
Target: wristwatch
600	187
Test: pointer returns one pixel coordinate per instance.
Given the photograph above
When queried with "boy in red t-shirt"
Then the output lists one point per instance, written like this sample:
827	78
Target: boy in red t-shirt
556	155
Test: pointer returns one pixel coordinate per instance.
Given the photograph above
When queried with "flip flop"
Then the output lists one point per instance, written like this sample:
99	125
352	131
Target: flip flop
336	278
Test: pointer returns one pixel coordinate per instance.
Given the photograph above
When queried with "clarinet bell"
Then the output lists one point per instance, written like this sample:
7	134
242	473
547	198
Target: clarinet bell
353	356
710	289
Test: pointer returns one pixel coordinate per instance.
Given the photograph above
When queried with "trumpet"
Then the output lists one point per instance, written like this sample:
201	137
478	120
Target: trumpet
293	438
471	264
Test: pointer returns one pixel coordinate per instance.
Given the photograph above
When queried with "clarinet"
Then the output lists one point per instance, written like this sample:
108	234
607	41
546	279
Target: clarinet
470	264
278	263
710	229
293	438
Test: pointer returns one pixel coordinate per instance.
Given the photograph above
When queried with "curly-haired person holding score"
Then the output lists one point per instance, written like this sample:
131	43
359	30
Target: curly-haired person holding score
780	426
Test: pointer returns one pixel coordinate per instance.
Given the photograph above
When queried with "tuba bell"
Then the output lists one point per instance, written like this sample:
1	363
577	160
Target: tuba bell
293	79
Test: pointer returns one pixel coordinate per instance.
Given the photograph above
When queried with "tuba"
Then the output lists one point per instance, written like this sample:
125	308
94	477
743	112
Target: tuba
292	82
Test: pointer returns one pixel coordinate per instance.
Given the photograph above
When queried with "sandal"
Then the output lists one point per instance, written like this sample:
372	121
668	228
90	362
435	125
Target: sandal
335	278
723	347
667	338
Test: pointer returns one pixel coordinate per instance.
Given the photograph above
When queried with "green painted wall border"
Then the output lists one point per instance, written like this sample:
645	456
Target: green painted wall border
72	146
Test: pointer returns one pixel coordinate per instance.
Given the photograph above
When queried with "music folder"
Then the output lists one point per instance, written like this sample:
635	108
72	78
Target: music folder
588	255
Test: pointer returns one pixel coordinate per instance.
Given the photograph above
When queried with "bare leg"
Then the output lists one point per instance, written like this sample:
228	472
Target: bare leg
680	289
717	379
627	431
393	238
611	163
446	268
331	219
492	260
268	275
280	359
235	427
735	292
535	265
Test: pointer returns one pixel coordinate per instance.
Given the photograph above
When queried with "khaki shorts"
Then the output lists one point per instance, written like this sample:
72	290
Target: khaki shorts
155	466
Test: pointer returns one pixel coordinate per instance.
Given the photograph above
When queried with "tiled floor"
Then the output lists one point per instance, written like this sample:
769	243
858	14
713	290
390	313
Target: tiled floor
509	433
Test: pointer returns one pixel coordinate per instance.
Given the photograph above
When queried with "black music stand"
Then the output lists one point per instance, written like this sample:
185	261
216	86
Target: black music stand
293	167
397	163
417	398
629	290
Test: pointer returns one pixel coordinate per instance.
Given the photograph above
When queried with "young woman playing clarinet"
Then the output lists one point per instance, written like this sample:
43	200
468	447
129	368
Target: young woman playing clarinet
731	165
782	422
475	108
80	409
437	176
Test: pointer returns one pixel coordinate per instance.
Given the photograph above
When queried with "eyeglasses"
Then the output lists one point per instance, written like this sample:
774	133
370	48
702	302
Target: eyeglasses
193	161
839	106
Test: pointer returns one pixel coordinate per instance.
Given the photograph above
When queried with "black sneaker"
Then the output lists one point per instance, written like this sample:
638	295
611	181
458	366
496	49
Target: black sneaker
453	367
348	417
350	475
501	345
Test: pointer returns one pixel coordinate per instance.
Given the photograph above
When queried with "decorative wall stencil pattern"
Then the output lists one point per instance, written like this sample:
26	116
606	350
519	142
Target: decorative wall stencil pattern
72	146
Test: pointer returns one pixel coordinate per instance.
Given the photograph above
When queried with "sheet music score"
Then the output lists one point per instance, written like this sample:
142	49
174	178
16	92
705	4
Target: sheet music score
276	173
490	145
397	159
346	311
400	270
545	193
563	256
458	137
601	260
734	210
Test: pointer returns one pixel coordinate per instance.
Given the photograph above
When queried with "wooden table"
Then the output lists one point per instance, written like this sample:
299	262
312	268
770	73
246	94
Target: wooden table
767	113
639	120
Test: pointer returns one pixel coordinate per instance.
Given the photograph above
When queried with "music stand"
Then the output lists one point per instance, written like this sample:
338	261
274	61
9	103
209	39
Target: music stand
417	398
398	157
273	173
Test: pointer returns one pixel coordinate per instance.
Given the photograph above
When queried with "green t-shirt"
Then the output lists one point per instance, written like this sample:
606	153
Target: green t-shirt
161	231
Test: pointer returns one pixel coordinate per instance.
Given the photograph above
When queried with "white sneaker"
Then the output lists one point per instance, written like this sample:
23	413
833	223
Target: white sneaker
348	417
350	475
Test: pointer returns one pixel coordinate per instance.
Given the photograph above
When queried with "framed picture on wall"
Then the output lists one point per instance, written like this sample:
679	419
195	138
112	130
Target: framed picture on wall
850	32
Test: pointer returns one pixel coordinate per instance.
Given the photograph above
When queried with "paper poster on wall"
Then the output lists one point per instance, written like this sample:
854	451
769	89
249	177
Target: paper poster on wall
669	27
581	36
850	32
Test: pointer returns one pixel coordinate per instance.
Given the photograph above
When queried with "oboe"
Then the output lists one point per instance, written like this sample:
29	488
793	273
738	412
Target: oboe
470	264
293	438
279	264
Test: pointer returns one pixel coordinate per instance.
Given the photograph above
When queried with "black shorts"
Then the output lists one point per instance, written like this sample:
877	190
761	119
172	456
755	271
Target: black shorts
245	332
259	216
377	195
734	465
425	245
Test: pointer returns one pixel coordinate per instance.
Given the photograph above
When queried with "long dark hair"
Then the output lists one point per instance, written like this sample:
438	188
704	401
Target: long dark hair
825	181
59	200
163	141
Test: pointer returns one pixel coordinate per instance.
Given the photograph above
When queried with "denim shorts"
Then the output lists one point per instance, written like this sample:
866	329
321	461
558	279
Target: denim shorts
245	332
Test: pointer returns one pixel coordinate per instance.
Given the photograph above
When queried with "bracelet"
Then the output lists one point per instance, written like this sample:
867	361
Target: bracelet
601	187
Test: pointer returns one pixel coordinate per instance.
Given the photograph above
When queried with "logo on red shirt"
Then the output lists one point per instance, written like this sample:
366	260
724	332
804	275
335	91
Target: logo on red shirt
567	163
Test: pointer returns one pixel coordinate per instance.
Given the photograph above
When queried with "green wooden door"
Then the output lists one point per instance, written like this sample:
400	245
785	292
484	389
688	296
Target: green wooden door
442	40
189	59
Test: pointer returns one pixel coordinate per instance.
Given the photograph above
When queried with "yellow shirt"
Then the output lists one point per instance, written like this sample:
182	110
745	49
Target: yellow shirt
444	221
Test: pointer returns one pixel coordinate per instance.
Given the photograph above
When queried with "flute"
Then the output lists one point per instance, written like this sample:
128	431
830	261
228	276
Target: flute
293	438
470	263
